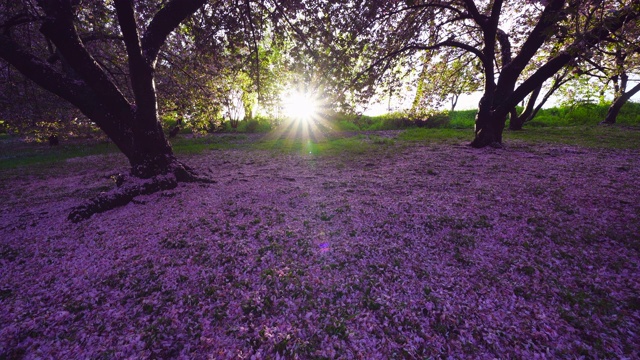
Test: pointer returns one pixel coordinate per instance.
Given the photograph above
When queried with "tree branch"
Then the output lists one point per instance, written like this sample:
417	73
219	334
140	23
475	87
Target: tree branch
59	28
17	20
141	72
608	25
75	92
505	47
297	31
255	46
39	71
449	42
536	38
473	11
163	23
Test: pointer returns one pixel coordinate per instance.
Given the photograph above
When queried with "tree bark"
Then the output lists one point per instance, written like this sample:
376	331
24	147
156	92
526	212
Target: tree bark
488	128
492	112
517	121
617	104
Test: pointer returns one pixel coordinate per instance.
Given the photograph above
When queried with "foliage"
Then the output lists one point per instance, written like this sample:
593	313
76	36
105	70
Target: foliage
445	75
584	114
256	125
392	121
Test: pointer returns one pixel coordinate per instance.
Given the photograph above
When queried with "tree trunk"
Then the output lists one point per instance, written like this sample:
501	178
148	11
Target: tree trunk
150	153
617	104
489	126
454	101
613	112
517	121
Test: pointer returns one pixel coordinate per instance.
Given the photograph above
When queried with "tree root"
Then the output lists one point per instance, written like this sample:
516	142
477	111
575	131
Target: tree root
128	190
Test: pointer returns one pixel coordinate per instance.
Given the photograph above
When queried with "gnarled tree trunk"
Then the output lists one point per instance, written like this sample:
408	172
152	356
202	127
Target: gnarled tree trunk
132	124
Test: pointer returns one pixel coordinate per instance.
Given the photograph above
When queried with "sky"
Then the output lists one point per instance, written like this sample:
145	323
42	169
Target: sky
465	102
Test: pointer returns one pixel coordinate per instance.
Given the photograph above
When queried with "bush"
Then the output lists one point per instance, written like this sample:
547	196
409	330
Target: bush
345	125
584	114
439	120
390	123
257	125
462	119
629	114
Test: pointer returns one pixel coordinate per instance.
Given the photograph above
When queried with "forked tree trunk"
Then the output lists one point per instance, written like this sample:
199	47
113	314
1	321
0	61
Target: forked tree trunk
501	97
517	121
454	101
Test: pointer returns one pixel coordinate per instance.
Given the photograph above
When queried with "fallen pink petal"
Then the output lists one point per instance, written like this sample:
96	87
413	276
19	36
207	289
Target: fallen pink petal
429	251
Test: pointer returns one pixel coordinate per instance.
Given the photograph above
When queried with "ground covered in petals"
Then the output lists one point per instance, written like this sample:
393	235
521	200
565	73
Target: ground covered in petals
407	251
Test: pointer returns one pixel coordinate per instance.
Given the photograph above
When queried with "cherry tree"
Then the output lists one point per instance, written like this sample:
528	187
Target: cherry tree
104	58
533	104
618	60
504	37
131	122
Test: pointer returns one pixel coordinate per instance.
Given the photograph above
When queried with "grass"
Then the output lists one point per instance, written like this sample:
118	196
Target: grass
585	114
607	137
187	145
17	154
568	128
359	144
436	135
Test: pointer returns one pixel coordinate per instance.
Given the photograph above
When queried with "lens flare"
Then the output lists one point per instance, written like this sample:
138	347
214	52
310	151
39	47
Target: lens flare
300	106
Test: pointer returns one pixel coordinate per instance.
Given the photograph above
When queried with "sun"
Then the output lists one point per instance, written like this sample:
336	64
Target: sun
301	105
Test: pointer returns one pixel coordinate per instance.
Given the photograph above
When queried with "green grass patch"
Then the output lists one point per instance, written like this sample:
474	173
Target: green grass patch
463	119
606	137
193	146
285	146
584	114
435	135
356	145
575	115
44	155
16	154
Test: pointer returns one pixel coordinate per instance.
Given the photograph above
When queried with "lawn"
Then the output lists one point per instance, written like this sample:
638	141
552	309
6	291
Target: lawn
406	245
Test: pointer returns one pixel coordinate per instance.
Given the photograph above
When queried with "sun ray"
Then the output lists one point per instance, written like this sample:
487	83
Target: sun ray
304	118
301	105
